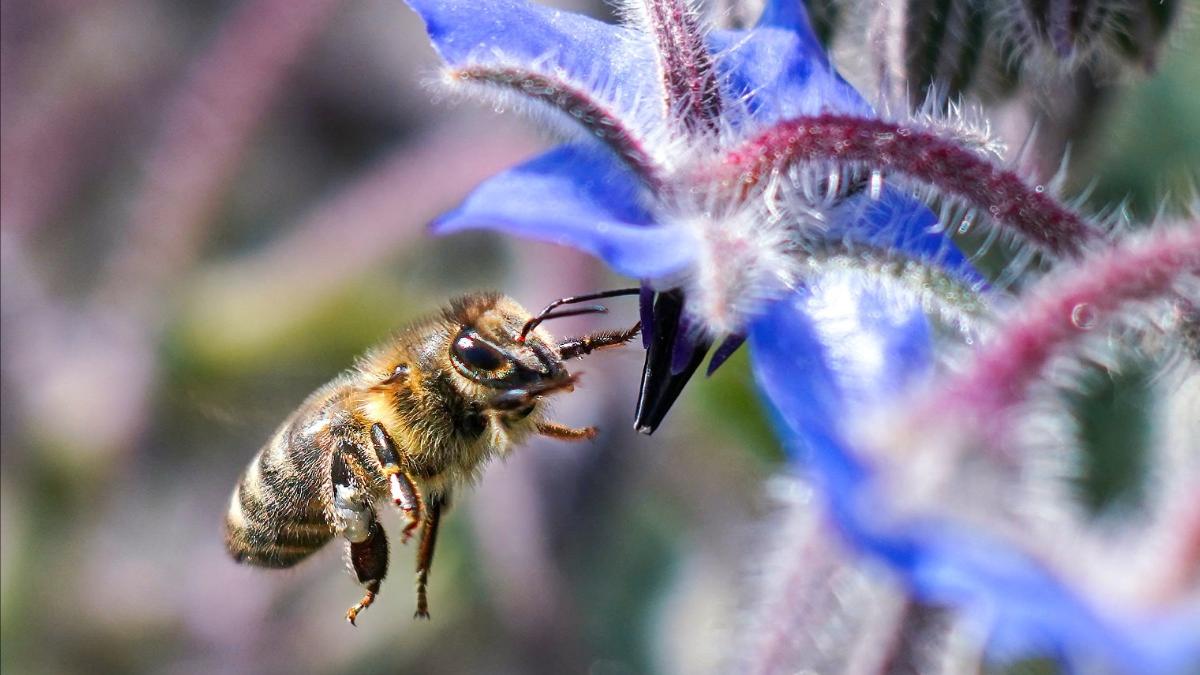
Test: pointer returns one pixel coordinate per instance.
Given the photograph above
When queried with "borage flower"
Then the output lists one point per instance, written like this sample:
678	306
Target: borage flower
658	110
678	174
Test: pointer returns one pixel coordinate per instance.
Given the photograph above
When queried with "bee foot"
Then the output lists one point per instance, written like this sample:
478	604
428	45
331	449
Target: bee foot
352	613
411	527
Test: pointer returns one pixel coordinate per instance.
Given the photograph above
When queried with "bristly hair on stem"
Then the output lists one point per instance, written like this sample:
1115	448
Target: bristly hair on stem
1068	306
692	97
946	166
578	104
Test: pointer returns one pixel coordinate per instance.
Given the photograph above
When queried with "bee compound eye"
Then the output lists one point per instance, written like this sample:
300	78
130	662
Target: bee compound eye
476	354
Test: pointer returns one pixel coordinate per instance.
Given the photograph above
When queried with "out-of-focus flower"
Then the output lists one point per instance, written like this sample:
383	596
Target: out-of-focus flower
1020	602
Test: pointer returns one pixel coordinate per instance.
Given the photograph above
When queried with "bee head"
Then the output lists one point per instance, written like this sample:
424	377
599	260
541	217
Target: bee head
492	349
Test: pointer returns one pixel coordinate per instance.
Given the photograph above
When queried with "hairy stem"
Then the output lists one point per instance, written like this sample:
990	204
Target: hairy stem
907	637
1065	26
577	103
1064	308
799	592
689	82
922	155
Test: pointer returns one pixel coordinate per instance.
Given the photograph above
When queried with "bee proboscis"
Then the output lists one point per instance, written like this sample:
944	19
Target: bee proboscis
416	416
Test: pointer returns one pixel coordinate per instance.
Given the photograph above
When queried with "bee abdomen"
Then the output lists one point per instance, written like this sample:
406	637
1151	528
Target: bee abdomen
272	520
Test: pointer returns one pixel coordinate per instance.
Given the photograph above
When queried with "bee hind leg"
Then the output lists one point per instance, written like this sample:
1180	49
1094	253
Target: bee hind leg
366	542
368	562
404	492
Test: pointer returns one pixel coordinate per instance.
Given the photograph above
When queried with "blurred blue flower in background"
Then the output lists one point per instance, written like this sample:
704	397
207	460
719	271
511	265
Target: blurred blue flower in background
649	105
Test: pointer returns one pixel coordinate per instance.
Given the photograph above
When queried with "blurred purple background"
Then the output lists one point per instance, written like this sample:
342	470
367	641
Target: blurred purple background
208	209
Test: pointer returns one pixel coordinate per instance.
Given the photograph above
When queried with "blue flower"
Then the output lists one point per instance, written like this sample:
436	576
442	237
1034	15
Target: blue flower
650	106
855	346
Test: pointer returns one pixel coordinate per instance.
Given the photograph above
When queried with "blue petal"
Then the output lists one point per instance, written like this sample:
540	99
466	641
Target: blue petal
726	349
790	15
594	54
780	69
898	222
580	196
823	354
870	344
818	354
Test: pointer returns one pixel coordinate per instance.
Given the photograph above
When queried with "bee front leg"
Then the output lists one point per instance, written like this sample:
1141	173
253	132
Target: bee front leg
582	346
404	492
367	547
513	400
565	433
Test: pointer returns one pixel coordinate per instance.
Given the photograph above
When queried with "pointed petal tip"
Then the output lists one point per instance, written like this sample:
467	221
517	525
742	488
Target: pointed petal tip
438	225
671	359
661	388
726	349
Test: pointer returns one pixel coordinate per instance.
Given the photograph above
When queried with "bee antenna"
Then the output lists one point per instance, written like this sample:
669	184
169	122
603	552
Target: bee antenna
545	316
549	313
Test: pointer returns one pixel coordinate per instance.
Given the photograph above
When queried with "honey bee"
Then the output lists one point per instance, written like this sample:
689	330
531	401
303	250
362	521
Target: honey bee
415	417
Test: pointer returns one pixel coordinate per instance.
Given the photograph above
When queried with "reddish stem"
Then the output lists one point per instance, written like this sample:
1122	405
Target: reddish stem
1062	309
689	82
922	155
575	102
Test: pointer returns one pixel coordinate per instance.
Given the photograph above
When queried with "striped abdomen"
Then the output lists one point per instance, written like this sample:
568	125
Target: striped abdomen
277	513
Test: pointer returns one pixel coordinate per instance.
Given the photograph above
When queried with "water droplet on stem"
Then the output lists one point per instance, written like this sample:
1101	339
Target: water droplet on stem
1083	316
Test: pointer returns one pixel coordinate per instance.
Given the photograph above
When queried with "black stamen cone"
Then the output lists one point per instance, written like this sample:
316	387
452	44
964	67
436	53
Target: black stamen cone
660	387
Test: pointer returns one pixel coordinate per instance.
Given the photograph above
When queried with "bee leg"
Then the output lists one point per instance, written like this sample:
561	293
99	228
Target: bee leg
513	400
429	531
582	346
565	433
404	492
367	547
368	561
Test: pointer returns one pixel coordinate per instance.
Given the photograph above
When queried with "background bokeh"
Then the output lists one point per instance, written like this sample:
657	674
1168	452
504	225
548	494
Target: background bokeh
208	210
